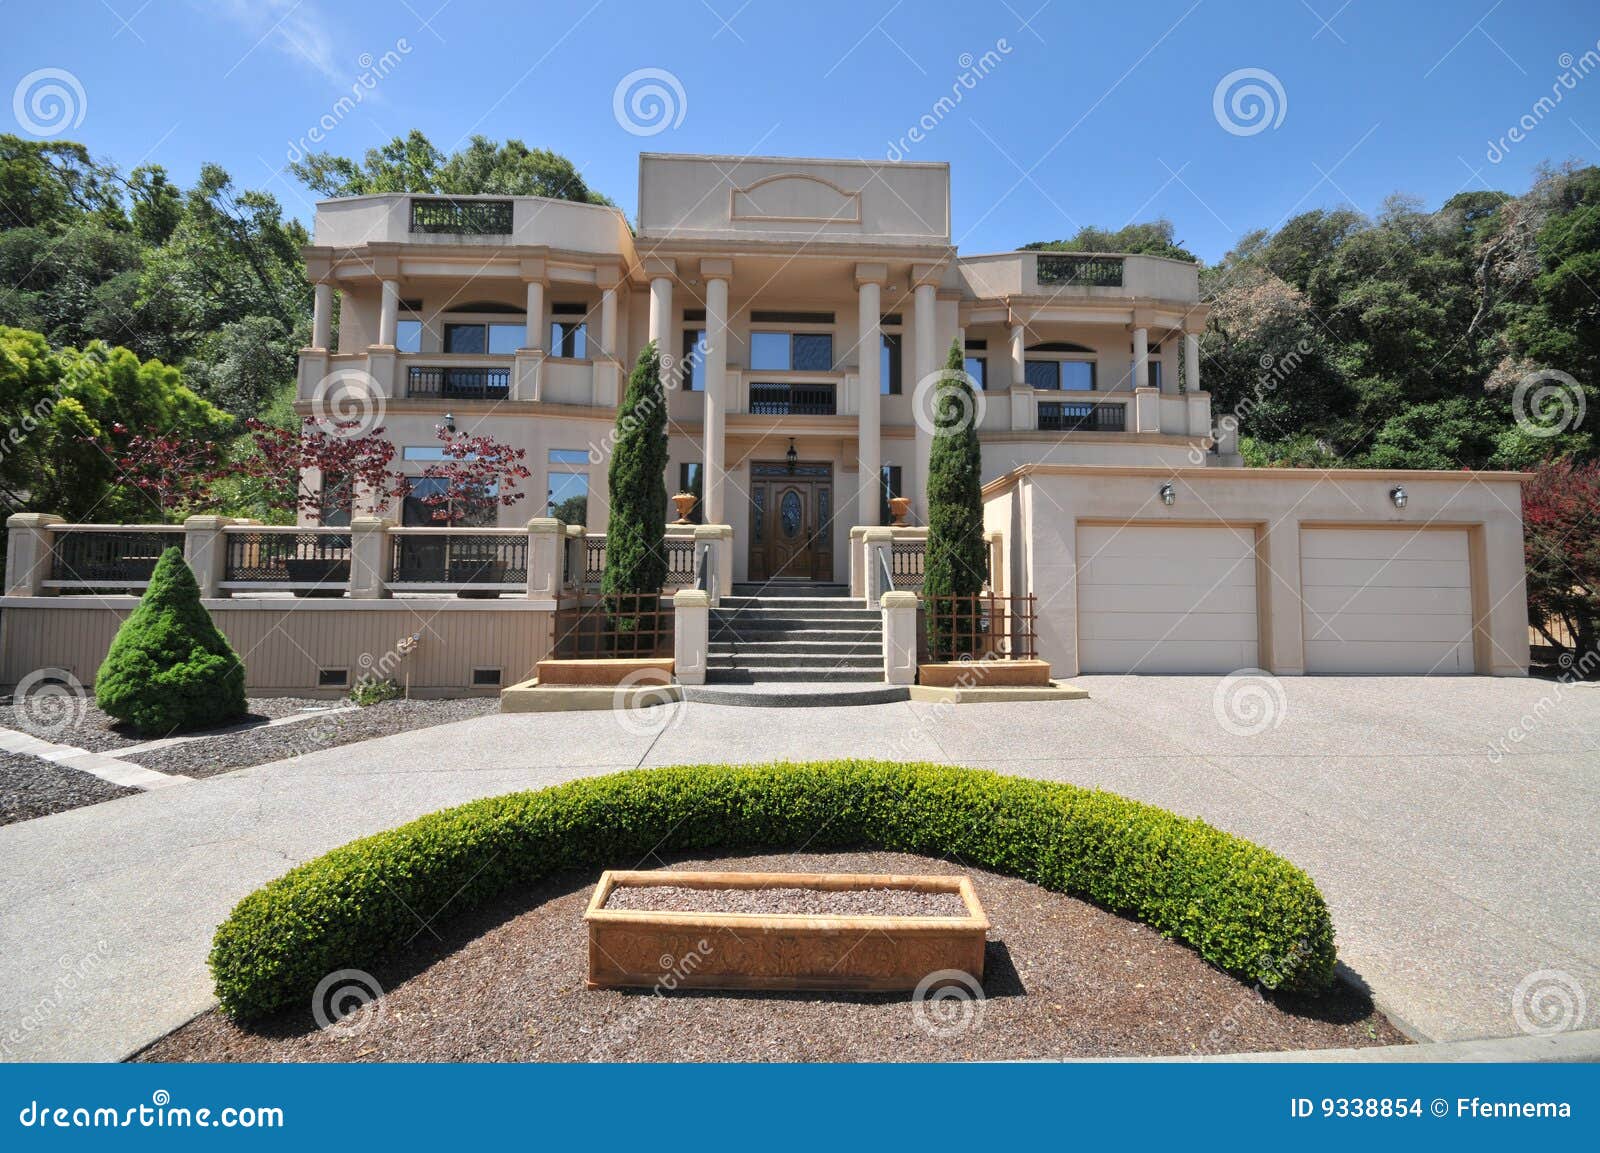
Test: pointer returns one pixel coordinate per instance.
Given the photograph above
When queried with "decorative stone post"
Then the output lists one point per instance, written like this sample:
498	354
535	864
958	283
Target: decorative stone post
876	542
899	638
205	548
858	569
720	538
370	567
692	630
577	560
29	548
1146	410
546	540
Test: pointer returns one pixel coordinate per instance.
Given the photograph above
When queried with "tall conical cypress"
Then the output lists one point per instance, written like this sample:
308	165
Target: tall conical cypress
636	561
956	560
170	667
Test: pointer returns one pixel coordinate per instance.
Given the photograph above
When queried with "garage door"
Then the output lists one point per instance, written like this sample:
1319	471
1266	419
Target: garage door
1386	601
1166	599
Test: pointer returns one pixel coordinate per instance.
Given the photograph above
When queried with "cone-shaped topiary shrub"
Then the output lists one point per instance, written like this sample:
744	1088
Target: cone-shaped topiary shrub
170	667
636	560
956	560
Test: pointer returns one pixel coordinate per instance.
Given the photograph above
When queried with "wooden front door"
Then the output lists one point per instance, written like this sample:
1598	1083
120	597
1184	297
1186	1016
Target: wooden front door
791	522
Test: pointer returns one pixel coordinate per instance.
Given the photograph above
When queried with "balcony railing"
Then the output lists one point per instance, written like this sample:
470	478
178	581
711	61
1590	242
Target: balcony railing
445	215
458	382
315	561
680	554
1062	270
1085	416
793	399
490	559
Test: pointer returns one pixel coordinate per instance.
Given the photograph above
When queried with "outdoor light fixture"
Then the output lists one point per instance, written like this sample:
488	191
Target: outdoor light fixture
450	423
791	456
1169	495
1398	495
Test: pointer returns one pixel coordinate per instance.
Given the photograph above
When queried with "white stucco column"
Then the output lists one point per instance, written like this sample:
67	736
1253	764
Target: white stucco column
1141	357
716	273
925	301
533	336
389	313
322	315
608	322
661	314
869	435
1191	361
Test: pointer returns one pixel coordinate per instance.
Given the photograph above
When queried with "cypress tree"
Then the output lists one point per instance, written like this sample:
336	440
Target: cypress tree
956	559
170	667
636	561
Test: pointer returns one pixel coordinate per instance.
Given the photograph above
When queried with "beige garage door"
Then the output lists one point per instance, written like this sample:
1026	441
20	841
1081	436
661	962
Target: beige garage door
1166	599
1386	601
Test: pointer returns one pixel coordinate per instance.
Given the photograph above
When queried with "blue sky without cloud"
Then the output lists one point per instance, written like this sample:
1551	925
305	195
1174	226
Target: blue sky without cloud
1087	114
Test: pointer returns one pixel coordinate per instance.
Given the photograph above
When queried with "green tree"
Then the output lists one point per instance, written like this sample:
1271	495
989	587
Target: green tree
636	564
412	163
957	556
1154	238
169	667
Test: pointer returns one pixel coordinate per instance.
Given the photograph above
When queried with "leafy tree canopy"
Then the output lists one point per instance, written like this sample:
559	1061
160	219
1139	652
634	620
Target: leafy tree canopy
1154	238
412	163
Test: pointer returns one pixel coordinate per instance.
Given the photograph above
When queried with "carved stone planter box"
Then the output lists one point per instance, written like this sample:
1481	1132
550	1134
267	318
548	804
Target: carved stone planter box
704	950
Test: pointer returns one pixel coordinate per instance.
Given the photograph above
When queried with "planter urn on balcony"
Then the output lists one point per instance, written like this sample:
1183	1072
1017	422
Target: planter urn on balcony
898	507
685	502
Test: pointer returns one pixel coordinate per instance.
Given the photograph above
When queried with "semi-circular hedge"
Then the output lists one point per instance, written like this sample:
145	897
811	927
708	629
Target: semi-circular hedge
1239	906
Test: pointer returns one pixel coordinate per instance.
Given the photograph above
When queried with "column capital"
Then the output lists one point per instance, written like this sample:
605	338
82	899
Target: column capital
716	268
872	274
927	275
658	266
606	278
385	267
1144	318
533	269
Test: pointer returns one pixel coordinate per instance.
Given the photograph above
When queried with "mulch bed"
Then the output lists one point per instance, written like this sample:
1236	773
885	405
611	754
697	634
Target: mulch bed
344	726
99	733
810	902
33	787
1062	979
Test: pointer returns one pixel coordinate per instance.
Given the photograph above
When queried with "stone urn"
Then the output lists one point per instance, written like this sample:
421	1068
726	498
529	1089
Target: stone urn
684	501
898	507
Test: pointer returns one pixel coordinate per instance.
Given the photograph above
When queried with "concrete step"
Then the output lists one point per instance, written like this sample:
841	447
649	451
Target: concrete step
789	588
796	694
828	604
782	619
749	677
757	661
776	635
840	648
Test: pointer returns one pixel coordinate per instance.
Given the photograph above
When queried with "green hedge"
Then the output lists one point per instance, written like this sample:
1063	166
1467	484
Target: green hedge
1239	906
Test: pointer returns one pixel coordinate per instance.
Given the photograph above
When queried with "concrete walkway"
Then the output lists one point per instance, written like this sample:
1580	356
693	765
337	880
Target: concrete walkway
1458	863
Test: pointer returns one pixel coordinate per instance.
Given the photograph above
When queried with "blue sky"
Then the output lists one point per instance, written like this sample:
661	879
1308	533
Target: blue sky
1089	114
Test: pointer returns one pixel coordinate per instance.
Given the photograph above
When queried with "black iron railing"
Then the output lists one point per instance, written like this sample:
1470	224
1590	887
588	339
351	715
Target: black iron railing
111	556
680	564
460	217
1061	269
907	559
459	559
793	399
624	625
1075	416
985	626
594	560
461	382
288	557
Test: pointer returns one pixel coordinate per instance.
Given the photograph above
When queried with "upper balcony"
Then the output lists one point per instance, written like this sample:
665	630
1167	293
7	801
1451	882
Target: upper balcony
1082	275
536	221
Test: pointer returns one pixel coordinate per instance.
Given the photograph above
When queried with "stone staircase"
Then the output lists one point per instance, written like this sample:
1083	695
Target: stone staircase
805	637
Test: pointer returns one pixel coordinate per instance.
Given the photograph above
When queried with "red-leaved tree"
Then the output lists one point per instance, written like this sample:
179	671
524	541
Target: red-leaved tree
1561	536
172	472
283	458
477	472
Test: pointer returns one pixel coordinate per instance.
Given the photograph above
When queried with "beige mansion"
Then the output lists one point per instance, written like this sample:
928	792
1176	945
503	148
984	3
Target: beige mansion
808	305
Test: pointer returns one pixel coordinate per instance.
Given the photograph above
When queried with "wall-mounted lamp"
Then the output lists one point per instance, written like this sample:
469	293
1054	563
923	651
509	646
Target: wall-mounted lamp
1398	495
450	423
792	457
1169	495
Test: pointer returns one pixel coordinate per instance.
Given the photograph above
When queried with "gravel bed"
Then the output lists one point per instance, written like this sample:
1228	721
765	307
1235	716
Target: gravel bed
811	902
99	733
1062	979
34	787
221	754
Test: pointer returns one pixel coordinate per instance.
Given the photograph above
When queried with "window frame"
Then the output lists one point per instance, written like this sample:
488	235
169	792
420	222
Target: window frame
792	329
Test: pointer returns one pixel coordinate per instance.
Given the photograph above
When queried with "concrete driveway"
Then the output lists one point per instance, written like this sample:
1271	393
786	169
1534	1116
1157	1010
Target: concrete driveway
1460	864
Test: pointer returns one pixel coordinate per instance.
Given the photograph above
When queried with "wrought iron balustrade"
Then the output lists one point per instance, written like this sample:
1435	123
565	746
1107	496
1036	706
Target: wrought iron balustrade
458	382
793	399
447	215
1064	270
1082	416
